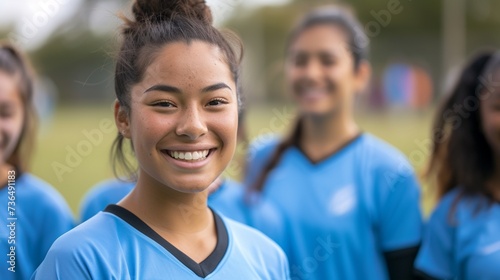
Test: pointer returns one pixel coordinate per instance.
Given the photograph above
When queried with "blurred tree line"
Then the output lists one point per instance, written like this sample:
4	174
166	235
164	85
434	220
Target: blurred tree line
80	60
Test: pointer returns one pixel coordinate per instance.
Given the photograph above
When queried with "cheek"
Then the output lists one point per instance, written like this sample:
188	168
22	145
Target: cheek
491	126
292	74
146	128
227	128
12	128
16	126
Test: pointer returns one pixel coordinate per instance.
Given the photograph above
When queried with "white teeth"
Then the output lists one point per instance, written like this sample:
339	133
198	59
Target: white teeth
196	156
189	155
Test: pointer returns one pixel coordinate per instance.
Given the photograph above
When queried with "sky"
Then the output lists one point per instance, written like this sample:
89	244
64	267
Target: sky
33	21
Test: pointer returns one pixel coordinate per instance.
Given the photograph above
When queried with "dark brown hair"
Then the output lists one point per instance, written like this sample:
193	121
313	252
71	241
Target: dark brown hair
157	23
13	63
461	155
358	43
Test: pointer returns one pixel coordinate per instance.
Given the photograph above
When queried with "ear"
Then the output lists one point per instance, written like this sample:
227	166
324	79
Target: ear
363	76
122	119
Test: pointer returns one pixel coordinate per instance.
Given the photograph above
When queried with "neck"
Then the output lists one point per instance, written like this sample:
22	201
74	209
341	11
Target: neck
168	211
4	173
322	135
494	182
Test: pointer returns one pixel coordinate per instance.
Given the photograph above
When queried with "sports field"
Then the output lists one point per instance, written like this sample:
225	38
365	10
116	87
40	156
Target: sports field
73	148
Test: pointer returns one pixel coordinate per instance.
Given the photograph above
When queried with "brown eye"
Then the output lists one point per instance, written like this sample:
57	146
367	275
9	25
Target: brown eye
300	60
164	104
6	112
327	60
217	102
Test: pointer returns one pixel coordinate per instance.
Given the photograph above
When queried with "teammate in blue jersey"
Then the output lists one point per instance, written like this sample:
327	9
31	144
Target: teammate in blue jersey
462	238
177	89
33	214
350	201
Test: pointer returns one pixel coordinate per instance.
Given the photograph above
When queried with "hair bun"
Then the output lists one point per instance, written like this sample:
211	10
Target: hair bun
164	10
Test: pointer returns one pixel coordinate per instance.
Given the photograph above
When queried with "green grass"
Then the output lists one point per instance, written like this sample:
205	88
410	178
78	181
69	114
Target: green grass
65	133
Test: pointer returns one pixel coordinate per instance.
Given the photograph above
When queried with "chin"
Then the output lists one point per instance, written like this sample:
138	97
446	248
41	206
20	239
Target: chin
190	186
317	112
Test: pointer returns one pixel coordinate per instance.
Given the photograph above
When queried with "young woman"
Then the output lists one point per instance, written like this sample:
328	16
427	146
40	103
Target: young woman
462	237
350	201
33	213
177	101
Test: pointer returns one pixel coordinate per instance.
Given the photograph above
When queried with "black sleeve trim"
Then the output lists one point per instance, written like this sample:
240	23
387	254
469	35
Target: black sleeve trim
420	275
400	263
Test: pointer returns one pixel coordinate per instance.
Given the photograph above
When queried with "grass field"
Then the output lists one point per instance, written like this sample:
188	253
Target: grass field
73	147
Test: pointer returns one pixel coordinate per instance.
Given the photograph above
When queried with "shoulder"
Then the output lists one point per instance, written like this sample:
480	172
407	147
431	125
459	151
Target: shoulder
382	154
386	166
89	251
455	207
39	193
91	238
254	242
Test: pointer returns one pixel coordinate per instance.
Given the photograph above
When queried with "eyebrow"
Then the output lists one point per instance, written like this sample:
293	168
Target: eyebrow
172	89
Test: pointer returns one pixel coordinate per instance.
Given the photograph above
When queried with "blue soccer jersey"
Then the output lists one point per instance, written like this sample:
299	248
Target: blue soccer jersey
101	195
29	225
462	239
343	213
116	244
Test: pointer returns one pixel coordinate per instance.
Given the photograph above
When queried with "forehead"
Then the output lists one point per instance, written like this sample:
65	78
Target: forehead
490	81
9	91
179	62
321	37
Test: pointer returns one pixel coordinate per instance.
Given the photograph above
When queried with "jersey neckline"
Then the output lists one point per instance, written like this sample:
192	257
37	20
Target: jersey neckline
331	154
203	269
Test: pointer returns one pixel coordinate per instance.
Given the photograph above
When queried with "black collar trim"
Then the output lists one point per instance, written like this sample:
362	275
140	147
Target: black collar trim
336	151
202	269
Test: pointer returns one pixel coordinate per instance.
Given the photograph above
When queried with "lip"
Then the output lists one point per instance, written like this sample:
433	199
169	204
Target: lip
183	164
311	95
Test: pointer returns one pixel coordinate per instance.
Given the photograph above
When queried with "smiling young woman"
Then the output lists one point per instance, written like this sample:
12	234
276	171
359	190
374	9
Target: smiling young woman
33	213
177	102
350	201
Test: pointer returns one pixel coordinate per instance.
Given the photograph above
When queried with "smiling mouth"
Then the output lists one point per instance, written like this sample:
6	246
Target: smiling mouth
189	156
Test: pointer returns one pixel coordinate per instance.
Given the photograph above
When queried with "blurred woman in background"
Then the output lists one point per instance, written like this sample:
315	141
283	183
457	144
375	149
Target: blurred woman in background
462	236
33	213
350	201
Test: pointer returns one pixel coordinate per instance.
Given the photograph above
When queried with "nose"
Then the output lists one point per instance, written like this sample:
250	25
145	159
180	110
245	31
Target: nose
192	124
312	70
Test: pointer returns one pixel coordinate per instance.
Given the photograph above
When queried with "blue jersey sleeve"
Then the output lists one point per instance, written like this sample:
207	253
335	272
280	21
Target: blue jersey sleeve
57	221
52	216
435	257
75	255
62	264
284	266
400	224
